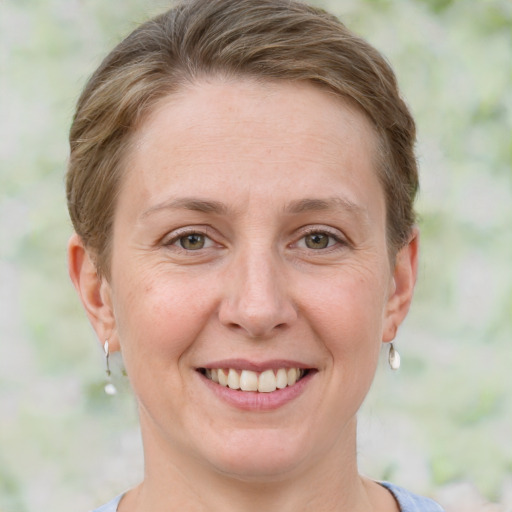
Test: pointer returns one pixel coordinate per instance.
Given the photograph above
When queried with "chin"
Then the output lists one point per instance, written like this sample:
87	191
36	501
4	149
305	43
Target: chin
258	456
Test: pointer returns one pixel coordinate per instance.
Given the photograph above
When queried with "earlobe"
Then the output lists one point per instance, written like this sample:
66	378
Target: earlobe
404	279
94	291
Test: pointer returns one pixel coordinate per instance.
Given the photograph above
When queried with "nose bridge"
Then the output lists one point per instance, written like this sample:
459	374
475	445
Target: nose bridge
258	300
261	289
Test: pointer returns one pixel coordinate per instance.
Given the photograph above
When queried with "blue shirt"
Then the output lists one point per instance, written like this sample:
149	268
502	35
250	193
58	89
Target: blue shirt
408	501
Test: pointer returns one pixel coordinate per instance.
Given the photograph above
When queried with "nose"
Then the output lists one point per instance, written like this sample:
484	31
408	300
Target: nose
256	300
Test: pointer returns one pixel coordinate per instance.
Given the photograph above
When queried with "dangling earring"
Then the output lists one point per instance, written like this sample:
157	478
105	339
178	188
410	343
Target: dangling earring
393	357
110	389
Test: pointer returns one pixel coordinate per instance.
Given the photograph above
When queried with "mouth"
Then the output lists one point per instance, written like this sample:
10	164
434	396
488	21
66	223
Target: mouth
266	381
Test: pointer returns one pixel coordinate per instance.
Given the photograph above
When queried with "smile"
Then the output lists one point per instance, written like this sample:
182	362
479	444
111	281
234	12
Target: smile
266	381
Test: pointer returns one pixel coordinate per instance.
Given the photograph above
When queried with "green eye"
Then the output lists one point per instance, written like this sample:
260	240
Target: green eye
192	242
317	241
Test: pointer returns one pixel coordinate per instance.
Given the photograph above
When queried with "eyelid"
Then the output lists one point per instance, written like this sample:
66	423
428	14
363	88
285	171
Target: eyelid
172	238
334	233
326	230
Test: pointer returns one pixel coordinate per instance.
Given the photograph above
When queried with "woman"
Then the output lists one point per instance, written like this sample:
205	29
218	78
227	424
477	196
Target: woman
241	184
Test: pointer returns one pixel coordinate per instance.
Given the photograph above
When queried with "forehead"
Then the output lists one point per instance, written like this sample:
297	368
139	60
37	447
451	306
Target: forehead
252	103
259	136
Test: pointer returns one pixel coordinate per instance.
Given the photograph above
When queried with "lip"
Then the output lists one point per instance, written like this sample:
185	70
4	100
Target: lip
253	400
256	366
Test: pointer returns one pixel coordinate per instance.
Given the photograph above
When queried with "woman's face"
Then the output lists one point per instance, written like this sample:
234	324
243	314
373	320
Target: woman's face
250	237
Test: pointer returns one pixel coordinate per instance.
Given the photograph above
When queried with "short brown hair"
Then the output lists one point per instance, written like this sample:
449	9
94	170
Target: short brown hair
262	39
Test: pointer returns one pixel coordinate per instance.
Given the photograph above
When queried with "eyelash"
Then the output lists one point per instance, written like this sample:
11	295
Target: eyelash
338	241
182	234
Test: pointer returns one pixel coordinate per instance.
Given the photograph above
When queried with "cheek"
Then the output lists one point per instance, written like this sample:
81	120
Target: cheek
347	316
158	318
348	303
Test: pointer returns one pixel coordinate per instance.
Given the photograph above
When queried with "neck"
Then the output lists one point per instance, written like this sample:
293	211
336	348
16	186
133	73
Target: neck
174	480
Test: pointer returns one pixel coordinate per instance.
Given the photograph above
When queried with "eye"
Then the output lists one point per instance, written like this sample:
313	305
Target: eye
190	241
194	241
318	241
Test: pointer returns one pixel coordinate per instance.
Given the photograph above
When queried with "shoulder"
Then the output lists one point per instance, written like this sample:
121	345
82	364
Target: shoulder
410	502
111	506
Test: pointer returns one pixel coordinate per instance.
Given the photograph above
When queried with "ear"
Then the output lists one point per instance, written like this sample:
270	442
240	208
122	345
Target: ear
94	291
402	286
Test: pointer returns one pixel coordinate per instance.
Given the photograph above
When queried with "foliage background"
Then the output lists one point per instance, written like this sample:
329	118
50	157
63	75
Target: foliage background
441	426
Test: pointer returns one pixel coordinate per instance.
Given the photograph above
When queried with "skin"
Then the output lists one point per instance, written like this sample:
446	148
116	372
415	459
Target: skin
255	168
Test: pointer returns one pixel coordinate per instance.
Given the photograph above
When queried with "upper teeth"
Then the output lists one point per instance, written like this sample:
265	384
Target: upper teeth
247	380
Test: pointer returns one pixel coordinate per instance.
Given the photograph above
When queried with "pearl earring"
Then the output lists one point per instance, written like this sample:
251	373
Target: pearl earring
393	357
109	388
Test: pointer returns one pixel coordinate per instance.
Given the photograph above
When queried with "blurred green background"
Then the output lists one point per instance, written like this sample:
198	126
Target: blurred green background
441	426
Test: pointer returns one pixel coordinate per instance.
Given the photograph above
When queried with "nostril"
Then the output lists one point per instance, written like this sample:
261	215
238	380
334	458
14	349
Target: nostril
257	318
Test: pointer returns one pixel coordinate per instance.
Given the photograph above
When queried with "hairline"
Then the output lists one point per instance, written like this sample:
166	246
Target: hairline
186	81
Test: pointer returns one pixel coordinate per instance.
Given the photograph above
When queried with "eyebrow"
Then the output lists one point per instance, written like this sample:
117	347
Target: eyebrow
296	207
331	203
189	203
